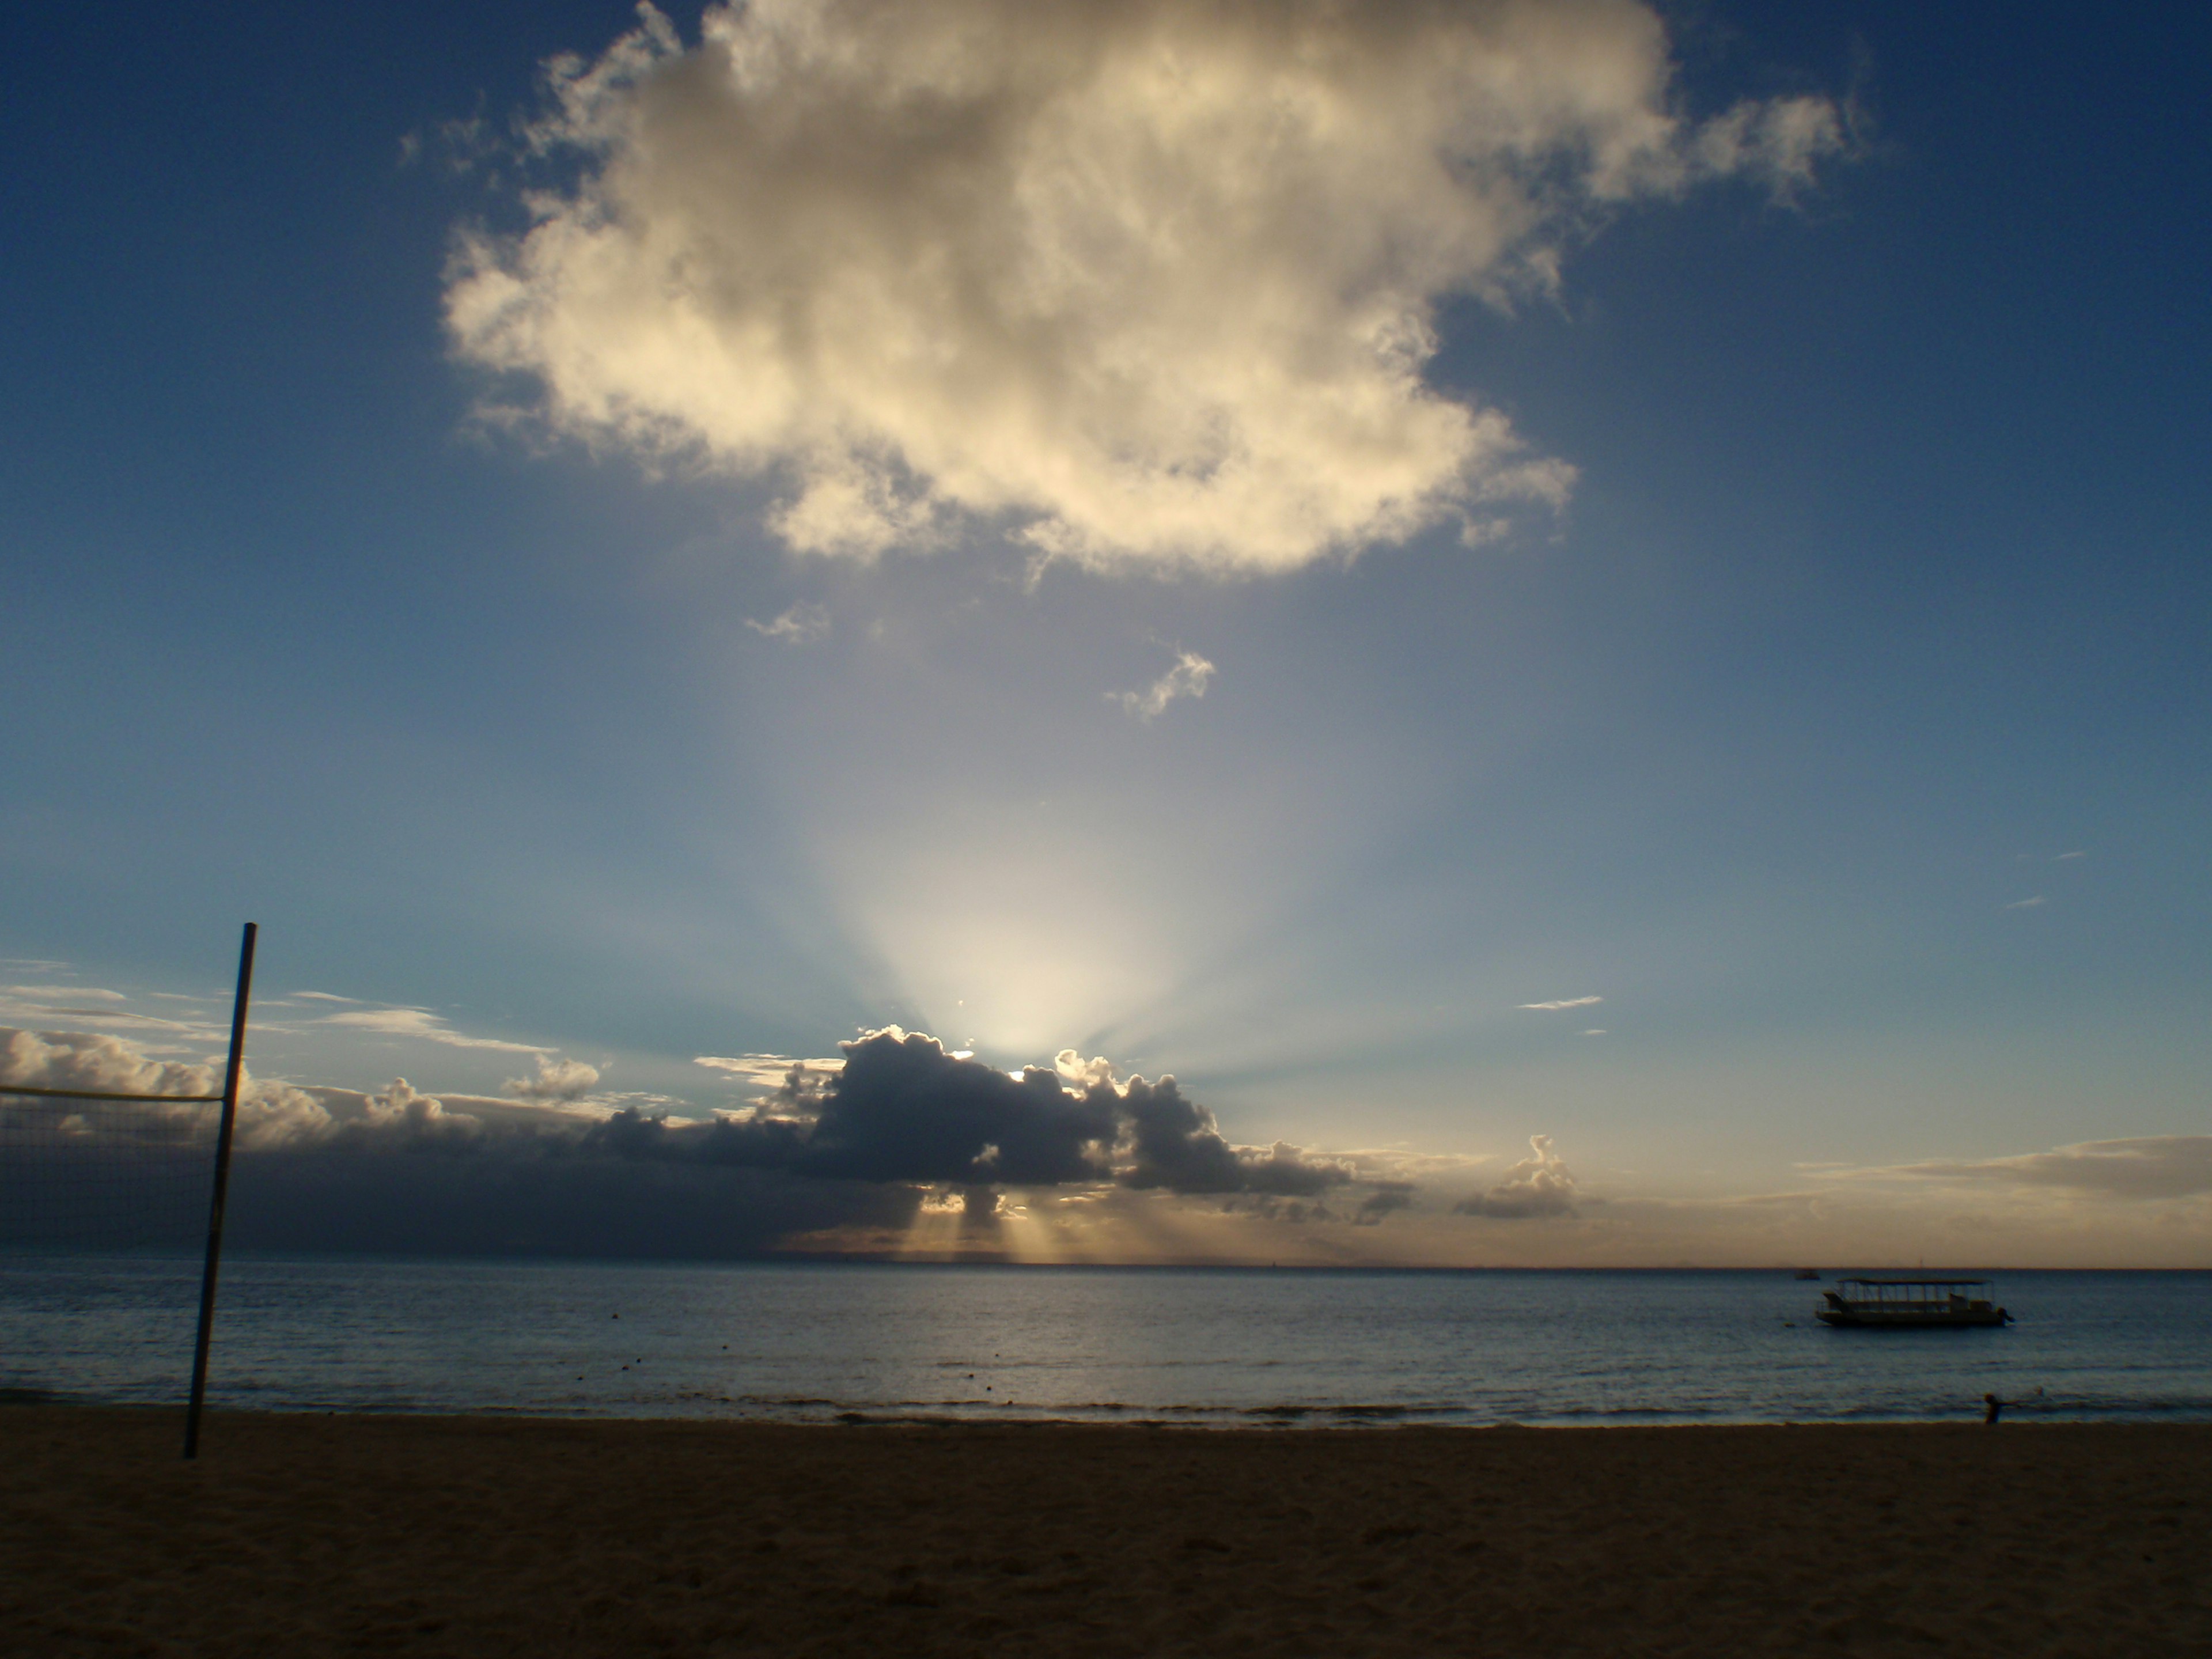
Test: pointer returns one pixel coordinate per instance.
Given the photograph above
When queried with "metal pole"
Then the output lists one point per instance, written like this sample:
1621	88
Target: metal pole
230	1079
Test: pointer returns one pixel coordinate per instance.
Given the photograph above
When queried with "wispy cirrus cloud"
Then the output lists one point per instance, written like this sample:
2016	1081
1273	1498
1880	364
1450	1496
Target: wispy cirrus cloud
46	1004
2140	1167
1563	1004
423	1025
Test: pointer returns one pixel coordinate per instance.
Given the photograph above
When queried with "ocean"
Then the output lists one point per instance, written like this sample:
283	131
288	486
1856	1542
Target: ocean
809	1342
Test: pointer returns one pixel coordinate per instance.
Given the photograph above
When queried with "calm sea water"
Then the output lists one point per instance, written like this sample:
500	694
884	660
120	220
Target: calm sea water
809	1342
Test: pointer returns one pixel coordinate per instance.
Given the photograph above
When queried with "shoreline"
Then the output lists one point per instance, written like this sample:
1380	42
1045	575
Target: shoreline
467	1535
1200	1419
1259	1422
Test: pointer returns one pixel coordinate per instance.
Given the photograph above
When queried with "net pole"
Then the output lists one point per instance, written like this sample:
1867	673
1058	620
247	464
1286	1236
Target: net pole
232	1072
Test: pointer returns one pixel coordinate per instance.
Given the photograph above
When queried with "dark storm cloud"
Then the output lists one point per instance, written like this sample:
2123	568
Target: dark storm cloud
901	1110
904	1110
1176	1146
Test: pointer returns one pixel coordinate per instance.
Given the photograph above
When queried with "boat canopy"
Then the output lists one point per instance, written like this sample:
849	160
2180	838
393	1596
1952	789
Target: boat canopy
1918	1283
1911	1295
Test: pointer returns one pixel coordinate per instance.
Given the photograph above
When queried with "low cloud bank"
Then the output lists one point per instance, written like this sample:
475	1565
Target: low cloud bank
270	1114
849	1150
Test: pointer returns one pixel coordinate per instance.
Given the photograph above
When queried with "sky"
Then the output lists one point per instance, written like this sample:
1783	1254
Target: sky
1459	634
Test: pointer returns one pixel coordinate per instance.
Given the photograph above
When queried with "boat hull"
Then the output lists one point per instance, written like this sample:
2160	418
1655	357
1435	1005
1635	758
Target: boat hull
1903	1319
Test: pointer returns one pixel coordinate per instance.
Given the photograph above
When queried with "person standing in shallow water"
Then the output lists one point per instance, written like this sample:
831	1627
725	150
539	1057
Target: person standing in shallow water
1993	1408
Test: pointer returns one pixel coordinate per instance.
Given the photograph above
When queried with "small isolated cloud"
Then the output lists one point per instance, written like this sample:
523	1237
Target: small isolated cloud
1188	678
1538	1186
1136	281
2024	904
1565	1002
557	1081
421	1023
802	624
423	1117
2145	1167
1595	1031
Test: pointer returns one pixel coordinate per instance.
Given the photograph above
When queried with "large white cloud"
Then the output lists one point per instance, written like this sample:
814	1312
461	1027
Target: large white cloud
1138	281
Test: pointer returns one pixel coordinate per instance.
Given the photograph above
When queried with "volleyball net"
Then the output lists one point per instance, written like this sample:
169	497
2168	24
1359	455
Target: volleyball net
105	1170
81	1171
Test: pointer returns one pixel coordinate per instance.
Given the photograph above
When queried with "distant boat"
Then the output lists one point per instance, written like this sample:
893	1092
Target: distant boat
1809	1272
1916	1303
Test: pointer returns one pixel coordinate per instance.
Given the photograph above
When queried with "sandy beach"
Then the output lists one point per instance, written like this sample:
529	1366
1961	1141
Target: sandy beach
299	1534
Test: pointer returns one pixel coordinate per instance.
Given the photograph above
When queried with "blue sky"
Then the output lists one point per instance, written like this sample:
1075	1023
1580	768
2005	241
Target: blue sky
1843	728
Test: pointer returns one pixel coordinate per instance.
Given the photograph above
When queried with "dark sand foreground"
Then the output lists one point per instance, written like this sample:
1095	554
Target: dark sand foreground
429	1535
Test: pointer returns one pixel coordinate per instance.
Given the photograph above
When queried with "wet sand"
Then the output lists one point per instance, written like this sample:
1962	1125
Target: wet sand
306	1535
